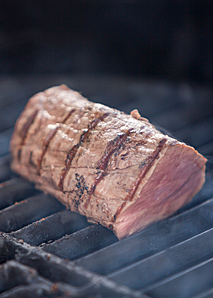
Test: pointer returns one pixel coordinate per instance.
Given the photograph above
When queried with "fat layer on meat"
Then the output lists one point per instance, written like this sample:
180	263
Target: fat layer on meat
115	169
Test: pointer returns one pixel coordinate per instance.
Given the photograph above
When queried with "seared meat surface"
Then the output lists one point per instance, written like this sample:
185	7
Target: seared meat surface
115	169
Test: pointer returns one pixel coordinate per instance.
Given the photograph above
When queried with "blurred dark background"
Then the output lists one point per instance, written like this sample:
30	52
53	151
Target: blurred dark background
169	40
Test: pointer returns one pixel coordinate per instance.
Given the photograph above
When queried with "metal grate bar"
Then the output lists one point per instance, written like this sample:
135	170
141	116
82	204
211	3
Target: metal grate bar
106	291
167	262
53	227
5	141
45	264
206	294
188	283
57	270
13	274
27	211
204	194
37	290
81	243
150	241
15	190
5	171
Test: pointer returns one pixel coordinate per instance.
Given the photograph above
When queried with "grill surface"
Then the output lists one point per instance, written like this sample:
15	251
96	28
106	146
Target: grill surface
173	258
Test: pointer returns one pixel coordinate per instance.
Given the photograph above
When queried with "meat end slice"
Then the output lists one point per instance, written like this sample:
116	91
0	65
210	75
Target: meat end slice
178	175
115	169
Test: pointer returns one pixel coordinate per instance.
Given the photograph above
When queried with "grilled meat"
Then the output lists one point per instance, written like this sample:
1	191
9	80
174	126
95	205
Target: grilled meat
115	169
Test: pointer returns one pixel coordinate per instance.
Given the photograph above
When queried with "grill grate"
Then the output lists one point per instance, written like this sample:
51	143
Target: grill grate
172	258
56	276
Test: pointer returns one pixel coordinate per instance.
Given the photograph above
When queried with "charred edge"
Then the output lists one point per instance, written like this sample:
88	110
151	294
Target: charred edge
112	146
68	115
110	227
19	154
145	167
94	123
62	177
72	152
119	211
24	131
97	180
26	126
48	139
30	160
70	156
46	142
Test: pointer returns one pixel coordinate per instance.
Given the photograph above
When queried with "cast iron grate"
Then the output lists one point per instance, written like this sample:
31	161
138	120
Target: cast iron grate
48	251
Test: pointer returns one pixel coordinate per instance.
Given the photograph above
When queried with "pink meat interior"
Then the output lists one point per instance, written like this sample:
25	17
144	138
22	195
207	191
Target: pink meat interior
178	176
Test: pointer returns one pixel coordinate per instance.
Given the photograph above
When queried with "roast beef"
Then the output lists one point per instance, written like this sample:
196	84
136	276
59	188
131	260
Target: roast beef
114	168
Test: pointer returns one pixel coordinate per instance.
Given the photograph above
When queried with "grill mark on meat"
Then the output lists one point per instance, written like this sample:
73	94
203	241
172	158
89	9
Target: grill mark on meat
111	148
163	200
31	161
72	152
19	155
46	142
68	115
145	167
48	139
24	131
26	126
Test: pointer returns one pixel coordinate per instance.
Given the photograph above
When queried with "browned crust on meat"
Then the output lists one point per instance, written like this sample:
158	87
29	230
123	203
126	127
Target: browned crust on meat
26	126
25	129
111	147
48	139
72	152
95	160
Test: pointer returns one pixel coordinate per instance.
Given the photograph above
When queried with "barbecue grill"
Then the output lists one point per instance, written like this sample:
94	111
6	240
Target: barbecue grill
48	251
